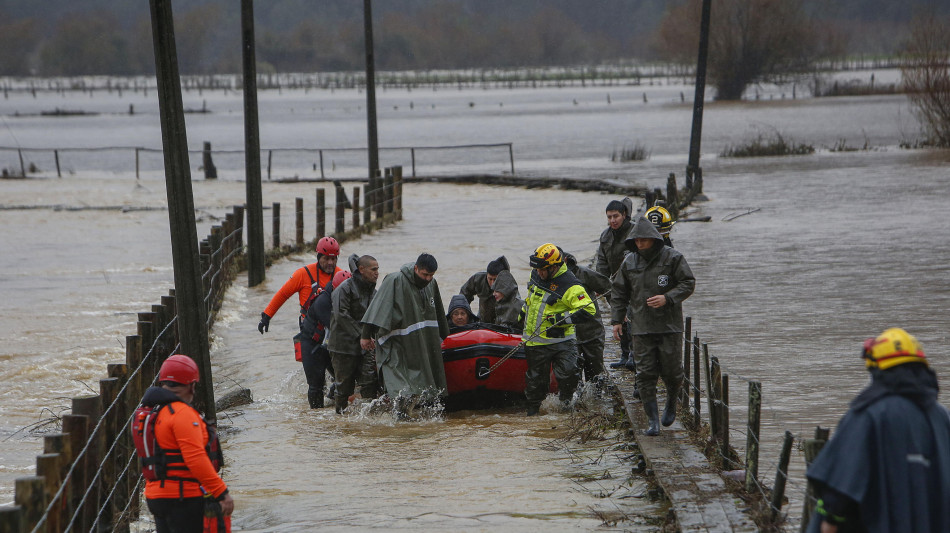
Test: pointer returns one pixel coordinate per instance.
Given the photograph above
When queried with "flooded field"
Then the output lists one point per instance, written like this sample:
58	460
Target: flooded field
835	248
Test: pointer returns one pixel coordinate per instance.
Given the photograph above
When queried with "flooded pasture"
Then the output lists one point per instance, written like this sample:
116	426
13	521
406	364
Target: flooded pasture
833	248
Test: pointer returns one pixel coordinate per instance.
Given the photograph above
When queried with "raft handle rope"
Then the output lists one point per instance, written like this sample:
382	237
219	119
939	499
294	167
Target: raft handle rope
485	373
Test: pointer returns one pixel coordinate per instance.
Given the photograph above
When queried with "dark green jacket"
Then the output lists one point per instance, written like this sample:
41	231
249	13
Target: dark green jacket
350	300
509	308
612	250
477	285
660	270
409	323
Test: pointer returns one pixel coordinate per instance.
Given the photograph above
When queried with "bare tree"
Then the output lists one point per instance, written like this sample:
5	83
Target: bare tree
750	41
925	70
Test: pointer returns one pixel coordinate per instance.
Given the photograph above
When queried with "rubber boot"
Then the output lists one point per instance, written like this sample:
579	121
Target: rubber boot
534	410
340	404
315	397
653	414
624	357
331	392
669	412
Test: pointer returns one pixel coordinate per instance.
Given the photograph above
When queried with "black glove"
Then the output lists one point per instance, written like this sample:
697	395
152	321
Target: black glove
264	324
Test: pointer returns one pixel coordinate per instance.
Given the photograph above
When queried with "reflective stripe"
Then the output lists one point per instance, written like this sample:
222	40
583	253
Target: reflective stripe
407	330
545	340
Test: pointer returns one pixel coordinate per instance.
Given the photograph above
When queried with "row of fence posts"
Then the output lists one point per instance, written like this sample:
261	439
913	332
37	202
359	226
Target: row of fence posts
382	204
88	478
717	399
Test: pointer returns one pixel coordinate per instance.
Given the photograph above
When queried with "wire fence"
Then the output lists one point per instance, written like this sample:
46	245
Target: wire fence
276	163
733	440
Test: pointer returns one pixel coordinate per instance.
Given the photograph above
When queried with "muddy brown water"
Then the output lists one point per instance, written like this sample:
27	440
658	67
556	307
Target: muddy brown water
835	248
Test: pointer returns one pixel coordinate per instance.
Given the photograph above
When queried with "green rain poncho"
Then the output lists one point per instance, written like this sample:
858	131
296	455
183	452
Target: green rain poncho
410	325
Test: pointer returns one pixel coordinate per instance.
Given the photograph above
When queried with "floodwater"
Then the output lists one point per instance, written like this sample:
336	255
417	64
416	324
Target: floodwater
831	248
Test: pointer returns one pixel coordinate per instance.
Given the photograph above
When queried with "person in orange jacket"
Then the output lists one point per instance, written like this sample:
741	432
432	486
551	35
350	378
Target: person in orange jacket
305	281
177	500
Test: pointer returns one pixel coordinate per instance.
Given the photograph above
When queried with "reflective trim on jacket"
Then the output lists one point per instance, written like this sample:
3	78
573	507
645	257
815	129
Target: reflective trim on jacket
548	301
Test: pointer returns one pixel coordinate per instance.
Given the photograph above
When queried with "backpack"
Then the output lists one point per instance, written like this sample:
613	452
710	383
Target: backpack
155	460
315	291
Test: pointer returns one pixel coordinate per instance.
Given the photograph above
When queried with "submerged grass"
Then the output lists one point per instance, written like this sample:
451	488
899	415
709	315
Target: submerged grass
637	152
767	145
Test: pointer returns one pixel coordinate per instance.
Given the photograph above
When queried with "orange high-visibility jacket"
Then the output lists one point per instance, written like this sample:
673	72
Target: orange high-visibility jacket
299	282
180	427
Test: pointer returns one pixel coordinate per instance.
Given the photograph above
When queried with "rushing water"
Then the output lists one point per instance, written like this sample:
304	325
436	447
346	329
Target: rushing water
835	247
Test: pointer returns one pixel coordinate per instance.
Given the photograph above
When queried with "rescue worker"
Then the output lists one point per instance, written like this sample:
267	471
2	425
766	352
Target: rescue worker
352	363
508	302
661	218
652	283
887	467
460	315
591	336
480	285
314	354
556	300
405	323
178	501
611	251
304	281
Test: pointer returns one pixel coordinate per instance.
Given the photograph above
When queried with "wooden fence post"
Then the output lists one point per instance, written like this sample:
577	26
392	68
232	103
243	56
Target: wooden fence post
356	208
781	475
379	195
321	213
210	171
710	396
108	389
123	453
412	155
91	408
687	329
672	196
30	495
11	519
752	436
812	447
511	156
298	203
388	191
270	158
697	393
397	184
340	210
715	385
322	175
368	203
275	224
77	427
137	150
49	467
59	173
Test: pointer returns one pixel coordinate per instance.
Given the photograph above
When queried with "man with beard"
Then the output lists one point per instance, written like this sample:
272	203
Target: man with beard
306	281
405	323
652	283
350	361
887	468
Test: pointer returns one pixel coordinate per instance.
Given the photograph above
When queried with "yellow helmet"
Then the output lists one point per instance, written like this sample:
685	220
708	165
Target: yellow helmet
660	218
891	348
545	256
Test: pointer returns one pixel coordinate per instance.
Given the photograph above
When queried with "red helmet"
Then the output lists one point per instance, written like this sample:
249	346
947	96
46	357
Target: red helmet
340	277
180	369
328	246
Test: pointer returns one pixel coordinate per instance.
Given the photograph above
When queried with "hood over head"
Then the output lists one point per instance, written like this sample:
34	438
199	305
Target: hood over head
497	265
353	262
459	301
505	283
643	229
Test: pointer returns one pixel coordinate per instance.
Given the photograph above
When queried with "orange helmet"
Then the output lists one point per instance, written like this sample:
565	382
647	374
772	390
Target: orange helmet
891	348
328	246
180	369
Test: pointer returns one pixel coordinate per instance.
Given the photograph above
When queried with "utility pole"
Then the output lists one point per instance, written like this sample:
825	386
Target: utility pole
373	144
252	151
189	294
694	173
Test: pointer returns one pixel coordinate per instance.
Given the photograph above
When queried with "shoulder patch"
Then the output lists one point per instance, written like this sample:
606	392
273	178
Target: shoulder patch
581	296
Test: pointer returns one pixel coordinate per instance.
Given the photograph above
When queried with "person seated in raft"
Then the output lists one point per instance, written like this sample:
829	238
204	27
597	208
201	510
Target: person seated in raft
508	302
460	315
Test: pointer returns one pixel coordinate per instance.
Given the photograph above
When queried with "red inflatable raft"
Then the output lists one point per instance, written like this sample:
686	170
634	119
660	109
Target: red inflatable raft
468	355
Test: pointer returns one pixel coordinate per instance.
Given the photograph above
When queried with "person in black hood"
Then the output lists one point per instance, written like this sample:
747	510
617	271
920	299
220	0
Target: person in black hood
460	315
887	468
